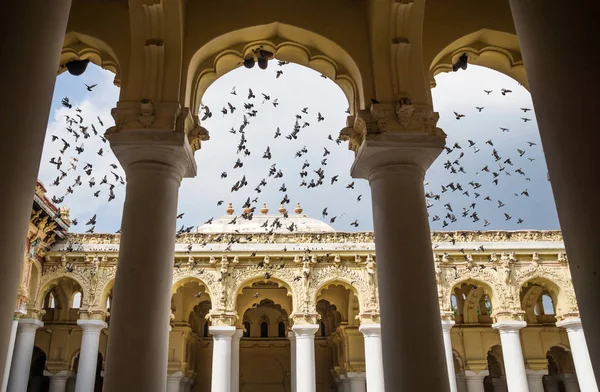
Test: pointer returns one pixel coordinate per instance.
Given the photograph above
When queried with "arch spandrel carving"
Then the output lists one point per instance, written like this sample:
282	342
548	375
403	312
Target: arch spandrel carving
352	277
557	281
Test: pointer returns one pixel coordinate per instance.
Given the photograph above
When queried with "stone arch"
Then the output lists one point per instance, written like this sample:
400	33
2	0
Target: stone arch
52	282
459	362
489	48
557	284
339	281
243	305
78	46
467	307
531	290
288	43
248	276
351	279
182	281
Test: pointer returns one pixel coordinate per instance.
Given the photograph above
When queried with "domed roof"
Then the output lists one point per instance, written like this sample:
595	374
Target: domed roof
263	222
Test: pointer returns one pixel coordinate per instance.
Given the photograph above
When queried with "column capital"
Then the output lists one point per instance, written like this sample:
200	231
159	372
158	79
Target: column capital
154	145
221	331
175	377
509	326
370	330
29	325
476	375
305	330
393	133
570	324
291	335
63	374
91	326
447	325
239	332
356	376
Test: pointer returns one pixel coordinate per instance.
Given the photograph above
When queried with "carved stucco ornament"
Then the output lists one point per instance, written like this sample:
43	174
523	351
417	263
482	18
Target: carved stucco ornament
400	117
167	116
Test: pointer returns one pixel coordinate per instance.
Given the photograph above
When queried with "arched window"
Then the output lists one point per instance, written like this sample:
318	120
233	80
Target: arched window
547	304
485	306
76	300
281	329
264	329
108	303
205	329
323	332
49	301
454	304
246	329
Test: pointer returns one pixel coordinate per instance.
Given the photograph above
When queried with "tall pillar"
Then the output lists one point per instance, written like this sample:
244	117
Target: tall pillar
36	31
221	358
581	356
563	100
88	355
58	381
394	162
9	355
475	380
174	382
305	357
373	357
514	366
356	382
21	363
155	162
446	327
235	360
292	338
535	380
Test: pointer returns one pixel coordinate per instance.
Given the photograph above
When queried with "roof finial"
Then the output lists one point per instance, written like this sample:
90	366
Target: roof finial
282	210
230	209
298	209
264	210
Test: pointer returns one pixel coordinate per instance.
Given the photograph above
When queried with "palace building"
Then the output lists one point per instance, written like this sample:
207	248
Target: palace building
253	303
512	301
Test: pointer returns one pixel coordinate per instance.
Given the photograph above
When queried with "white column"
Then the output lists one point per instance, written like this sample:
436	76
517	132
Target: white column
9	355
292	339
88	355
514	366
155	162
475	380
581	356
461	382
535	380
58	381
186	384
221	358
395	166
19	370
373	357
305	357
356	382
174	382
446	327
235	360
36	30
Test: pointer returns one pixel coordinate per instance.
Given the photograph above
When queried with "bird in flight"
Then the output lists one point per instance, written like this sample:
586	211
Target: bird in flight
89	88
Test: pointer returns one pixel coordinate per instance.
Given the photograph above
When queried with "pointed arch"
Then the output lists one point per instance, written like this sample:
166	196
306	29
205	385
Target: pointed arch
241	304
79	46
288	43
489	48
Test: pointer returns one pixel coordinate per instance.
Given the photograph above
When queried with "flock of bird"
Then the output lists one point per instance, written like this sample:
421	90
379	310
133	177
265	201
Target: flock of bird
245	106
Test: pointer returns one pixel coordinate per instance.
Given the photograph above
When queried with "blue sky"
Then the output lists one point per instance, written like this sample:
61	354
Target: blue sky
297	88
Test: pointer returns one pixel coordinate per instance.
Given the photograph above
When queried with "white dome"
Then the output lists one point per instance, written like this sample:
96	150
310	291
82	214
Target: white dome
236	223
